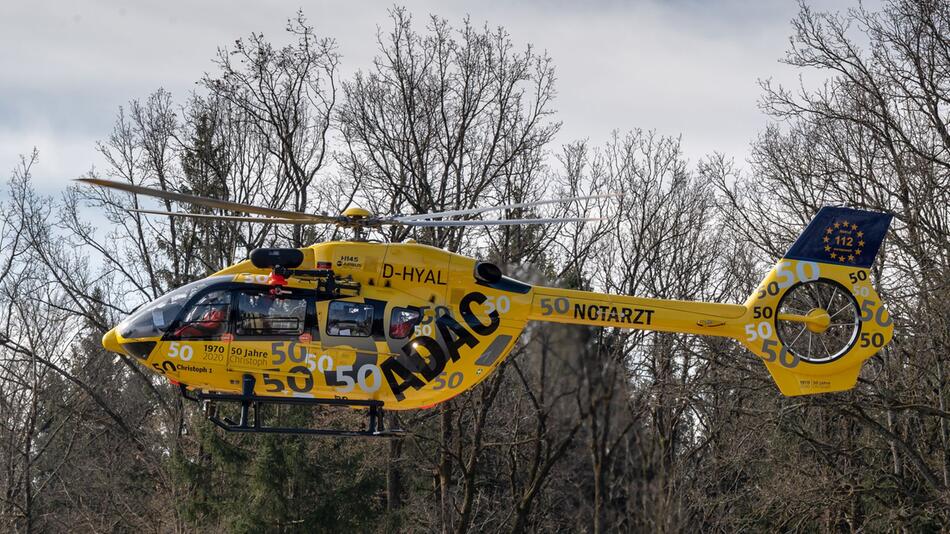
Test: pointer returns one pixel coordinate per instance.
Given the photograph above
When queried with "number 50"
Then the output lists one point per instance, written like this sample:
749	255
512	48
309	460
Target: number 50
177	350
502	304
762	330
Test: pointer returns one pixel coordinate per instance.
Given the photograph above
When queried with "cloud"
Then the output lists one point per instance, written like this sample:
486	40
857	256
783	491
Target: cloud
680	67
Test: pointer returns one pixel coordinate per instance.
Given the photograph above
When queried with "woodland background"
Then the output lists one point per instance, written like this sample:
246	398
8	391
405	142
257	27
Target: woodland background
586	430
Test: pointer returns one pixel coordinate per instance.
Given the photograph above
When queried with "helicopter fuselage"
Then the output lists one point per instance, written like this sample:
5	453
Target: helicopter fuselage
406	324
402	325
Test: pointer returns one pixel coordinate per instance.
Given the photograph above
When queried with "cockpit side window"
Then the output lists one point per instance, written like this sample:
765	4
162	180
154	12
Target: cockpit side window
402	321
264	314
156	317
208	318
353	319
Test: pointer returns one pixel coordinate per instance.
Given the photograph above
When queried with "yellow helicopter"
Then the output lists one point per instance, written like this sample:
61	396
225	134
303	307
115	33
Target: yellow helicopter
400	326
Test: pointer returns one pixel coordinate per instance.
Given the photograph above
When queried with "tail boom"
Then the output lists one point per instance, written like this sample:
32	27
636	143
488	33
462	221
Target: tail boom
814	320
568	306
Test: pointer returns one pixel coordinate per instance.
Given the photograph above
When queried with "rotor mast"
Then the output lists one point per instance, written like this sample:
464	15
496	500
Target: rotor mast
358	216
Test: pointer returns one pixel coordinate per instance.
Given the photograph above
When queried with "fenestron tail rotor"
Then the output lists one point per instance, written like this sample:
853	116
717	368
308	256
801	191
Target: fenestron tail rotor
353	217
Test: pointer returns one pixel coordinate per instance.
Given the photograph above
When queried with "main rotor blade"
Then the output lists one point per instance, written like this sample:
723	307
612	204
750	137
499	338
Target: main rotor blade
262	220
473	211
209	202
494	222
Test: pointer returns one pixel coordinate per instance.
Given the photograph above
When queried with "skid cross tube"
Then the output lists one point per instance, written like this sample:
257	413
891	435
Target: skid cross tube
376	427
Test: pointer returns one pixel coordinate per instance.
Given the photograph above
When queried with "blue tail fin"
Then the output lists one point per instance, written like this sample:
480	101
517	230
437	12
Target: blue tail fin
842	236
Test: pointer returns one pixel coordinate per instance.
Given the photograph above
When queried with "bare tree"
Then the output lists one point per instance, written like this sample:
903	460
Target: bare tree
873	136
286	96
442	116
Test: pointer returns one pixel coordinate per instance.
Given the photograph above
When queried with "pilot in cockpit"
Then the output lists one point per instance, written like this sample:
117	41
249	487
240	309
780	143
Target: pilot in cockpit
402	322
209	318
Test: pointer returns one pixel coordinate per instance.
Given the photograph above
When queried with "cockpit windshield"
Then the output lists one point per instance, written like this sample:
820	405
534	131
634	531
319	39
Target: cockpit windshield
154	318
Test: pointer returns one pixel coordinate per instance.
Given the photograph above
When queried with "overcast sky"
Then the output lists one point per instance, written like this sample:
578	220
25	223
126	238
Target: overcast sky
685	67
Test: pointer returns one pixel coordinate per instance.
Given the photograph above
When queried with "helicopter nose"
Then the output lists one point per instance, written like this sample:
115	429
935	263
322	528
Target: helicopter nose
111	342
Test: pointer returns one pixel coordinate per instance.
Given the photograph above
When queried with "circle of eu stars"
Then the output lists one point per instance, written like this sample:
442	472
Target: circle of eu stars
843	242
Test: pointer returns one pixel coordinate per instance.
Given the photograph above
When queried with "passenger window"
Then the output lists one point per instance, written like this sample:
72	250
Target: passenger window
263	314
402	321
208	318
350	319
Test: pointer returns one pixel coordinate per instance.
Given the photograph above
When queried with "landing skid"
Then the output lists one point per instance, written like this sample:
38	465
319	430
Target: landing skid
252	422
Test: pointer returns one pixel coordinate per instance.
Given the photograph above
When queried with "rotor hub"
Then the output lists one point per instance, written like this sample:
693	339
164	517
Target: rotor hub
818	320
357	213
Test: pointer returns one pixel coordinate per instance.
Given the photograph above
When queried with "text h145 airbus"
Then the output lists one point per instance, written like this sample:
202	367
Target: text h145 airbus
398	326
